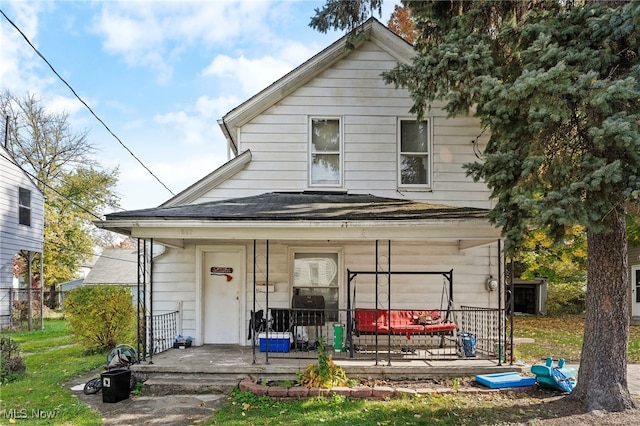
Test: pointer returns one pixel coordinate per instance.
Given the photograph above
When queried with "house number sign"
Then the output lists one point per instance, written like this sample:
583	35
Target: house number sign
222	271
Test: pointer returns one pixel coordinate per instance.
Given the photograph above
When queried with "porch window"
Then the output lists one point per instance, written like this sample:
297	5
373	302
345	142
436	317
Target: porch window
414	154
325	157
24	206
317	274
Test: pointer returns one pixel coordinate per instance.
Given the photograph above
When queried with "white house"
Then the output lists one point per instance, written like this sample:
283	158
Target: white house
21	225
330	174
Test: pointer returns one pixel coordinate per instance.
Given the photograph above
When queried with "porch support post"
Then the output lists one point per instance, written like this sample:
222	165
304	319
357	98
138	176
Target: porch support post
389	302
349	314
253	311
511	306
266	352
138	311
501	319
147	319
150	272
143	320
376	336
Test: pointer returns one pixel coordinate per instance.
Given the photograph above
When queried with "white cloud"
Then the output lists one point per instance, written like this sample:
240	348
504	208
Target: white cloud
153	34
18	61
253	75
177	173
57	104
198	123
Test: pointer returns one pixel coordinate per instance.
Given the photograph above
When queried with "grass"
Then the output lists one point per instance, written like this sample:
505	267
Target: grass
247	409
556	337
560	337
52	359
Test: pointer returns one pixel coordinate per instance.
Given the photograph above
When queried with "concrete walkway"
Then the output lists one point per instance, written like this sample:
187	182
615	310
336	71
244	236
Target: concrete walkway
633	378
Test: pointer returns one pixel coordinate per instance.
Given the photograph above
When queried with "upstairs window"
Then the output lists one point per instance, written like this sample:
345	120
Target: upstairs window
414	154
24	206
325	169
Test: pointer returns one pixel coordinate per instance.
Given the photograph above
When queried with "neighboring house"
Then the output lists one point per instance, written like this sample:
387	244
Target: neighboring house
115	267
21	226
67	286
331	174
634	278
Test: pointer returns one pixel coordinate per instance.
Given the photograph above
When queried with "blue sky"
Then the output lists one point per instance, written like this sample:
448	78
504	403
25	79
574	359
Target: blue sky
158	73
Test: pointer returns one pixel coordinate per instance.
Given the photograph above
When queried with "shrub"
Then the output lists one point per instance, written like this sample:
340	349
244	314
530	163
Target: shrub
326	374
11	365
100	317
566	298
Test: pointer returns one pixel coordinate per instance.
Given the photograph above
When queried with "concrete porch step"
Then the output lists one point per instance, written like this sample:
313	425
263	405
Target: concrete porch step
193	383
213	369
186	386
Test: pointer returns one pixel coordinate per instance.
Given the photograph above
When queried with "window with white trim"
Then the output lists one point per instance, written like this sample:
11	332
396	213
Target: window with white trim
414	154
325	152
316	273
24	206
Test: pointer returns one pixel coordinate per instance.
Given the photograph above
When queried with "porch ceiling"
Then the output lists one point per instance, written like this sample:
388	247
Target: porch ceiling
307	216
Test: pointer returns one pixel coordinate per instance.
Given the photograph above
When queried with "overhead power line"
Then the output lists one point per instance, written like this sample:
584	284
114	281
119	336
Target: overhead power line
83	102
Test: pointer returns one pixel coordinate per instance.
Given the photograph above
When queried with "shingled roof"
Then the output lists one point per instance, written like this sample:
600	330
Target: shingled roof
306	206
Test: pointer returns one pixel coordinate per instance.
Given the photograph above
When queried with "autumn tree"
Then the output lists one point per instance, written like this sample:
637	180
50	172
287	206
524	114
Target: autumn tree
400	22
63	165
563	263
557	84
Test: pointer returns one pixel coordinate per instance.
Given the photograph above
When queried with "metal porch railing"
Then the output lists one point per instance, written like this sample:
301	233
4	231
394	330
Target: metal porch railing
165	329
296	333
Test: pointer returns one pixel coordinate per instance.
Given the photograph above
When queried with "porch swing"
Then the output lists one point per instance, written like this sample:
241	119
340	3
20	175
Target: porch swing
395	322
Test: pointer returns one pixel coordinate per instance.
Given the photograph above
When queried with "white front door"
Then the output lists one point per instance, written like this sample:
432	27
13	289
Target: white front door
222	278
635	290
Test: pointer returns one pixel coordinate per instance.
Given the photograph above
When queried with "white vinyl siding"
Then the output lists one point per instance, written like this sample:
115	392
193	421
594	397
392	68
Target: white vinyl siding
273	130
13	236
369	110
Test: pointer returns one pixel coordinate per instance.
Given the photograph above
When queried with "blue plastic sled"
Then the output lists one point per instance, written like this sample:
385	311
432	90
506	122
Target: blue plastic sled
555	377
505	380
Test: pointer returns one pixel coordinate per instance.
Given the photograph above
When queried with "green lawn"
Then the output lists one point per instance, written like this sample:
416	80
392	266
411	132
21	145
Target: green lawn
52	360
247	409
556	337
560	337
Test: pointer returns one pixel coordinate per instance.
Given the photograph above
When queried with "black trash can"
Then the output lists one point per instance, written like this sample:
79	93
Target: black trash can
115	385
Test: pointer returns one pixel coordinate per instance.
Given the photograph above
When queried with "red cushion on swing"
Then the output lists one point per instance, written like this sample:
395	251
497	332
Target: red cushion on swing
399	322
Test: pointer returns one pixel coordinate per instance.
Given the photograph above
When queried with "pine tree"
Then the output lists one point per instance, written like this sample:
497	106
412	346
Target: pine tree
557	84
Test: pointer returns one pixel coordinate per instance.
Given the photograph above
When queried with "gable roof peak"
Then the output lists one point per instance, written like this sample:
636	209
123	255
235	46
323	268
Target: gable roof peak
373	31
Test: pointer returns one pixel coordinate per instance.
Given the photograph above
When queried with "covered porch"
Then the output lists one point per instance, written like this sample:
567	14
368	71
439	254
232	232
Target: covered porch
372	278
